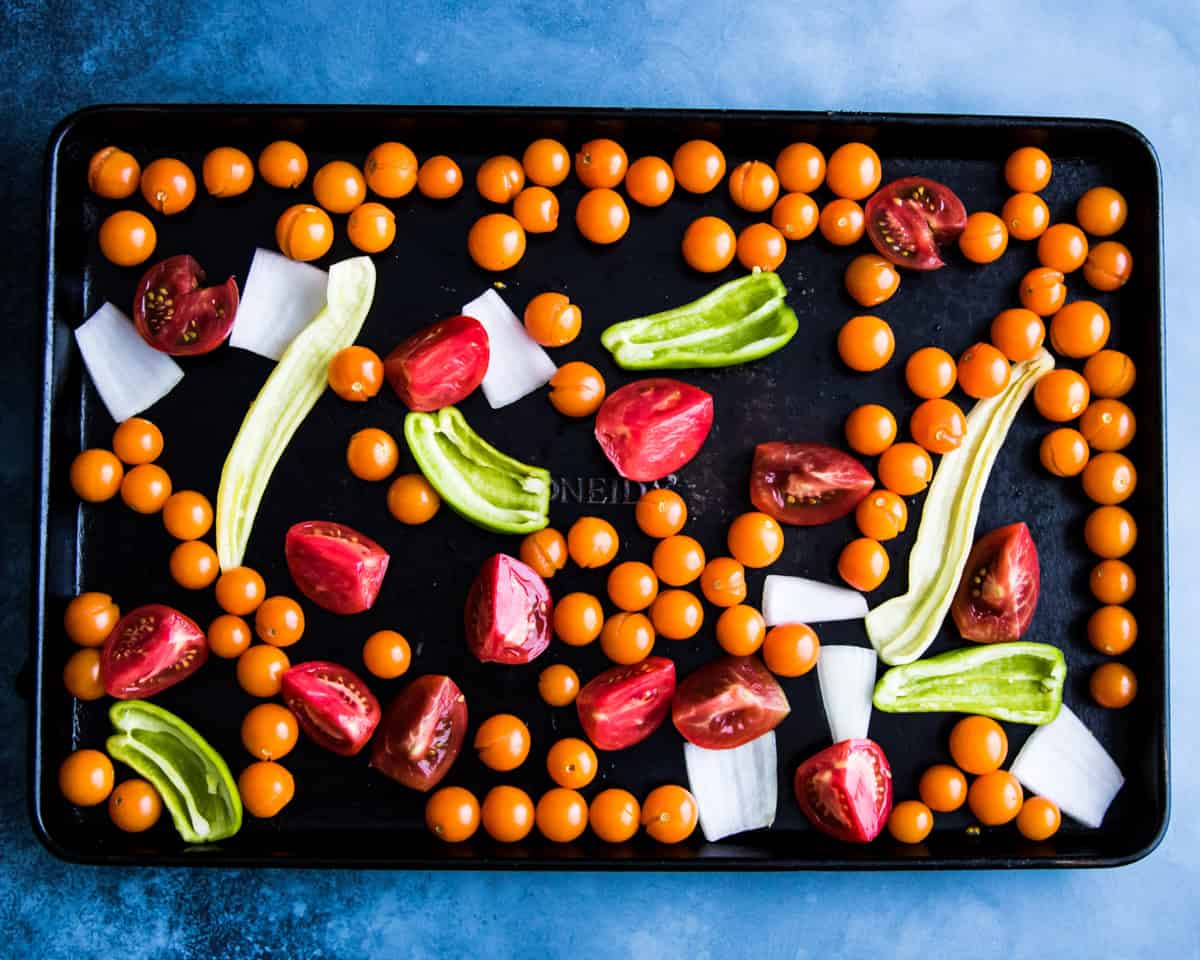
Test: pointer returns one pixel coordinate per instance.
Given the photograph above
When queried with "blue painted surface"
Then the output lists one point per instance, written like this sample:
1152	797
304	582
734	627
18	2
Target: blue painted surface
1139	63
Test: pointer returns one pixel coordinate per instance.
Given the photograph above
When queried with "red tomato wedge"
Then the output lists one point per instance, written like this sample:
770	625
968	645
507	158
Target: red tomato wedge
422	733
728	702
806	484
624	705
151	648
908	220
176	315
999	589
332	705
439	365
508	612
336	567
651	428
846	790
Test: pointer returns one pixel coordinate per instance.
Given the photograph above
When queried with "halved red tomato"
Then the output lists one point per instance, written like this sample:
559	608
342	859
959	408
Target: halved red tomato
999	588
728	702
846	790
624	705
439	365
335	566
174	314
508	612
332	705
151	648
650	428
806	484
909	219
422	733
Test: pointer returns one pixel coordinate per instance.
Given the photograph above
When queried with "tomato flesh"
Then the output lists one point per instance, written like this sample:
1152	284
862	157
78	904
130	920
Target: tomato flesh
422	733
332	705
336	567
910	219
508	612
439	365
151	648
650	428
846	790
176	315
806	484
999	589
728	702
624	705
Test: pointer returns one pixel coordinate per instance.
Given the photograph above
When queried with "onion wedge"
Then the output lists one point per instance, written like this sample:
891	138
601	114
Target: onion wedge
129	374
736	790
518	365
280	299
847	678
799	600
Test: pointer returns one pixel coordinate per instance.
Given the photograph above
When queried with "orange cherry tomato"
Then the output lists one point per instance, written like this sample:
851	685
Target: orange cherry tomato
304	232
870	279
127	238
938	425
905	468
995	798
1110	532
1039	819
390	170
801	167
1111	630
283	164
113	173
699	166
578	619
228	636
670	814
791	649
500	179
984	239
187	515
90	618
558	685
546	162
910	822
371	227
601	163
1018	333
870	429
795	215
755	540
661	513
227	172
96	475
983	371
1113	685
452	814
741	630
602	216
269	731
146	488
1112	581
502	742
677	614
356	373
760	246
978	745
339	186
266	787
240	591
439	178
650	181
1108	266
1062	247
632	585
881	515
386	654
1064	452
1079	329
81	675
260	670
372	454
571	763
592	542
536	209
842	222
943	788
1109	478
709	244
1027	170
1107	425
86	778
552	319
168	185
614	815
577	389
1061	395
864	564
411	499
279	621
1043	291
627	637
1101	211
853	171
753	185
194	565
866	343
546	551
561	814
930	373
507	814
134	806
1026	216
723	582
678	560
137	441
1110	374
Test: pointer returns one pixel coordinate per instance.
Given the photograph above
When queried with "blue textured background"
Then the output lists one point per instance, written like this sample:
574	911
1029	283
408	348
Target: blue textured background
1139	63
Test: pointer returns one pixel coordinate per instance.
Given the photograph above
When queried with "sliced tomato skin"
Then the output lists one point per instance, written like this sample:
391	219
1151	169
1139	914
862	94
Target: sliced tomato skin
998	594
728	702
332	705
175	315
624	705
422	733
439	365
508	612
908	220
846	790
823	482
335	566
150	649
650	428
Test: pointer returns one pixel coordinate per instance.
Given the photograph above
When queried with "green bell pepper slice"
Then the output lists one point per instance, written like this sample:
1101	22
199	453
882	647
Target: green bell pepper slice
1020	681
190	775
480	483
739	321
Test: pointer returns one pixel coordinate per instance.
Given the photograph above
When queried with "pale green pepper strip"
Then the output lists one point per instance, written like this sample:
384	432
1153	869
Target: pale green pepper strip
290	392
